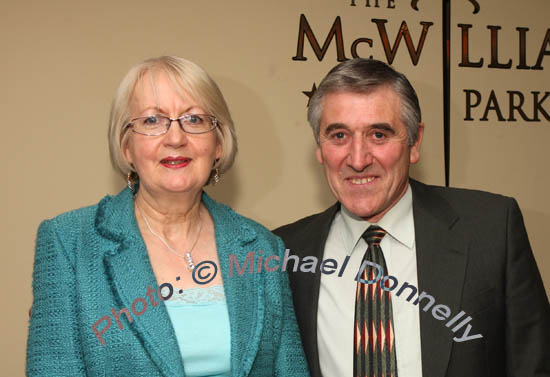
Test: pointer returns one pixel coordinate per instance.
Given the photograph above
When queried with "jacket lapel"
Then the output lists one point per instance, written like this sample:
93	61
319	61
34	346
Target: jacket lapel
244	294
131	274
441	249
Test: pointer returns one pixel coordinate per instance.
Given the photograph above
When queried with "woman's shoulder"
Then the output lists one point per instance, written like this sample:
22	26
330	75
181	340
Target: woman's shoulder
67	225
81	220
226	217
74	216
88	213
57	235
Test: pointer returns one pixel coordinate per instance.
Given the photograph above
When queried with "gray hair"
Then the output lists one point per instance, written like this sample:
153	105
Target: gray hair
364	76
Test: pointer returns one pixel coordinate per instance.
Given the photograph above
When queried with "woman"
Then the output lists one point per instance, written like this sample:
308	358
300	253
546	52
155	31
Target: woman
97	310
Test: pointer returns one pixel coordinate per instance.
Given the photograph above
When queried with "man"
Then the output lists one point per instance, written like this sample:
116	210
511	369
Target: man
466	296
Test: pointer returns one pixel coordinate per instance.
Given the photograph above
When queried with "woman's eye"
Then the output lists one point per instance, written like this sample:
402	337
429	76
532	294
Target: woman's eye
151	121
194	119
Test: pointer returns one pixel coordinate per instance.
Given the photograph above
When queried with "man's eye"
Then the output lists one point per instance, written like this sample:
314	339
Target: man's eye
379	135
338	135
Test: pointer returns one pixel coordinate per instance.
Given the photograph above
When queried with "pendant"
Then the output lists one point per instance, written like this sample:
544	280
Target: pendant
190	260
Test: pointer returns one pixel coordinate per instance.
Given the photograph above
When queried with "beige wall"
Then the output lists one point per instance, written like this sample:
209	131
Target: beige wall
62	61
509	157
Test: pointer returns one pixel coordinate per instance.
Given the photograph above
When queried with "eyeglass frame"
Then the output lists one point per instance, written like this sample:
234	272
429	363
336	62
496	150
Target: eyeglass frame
214	122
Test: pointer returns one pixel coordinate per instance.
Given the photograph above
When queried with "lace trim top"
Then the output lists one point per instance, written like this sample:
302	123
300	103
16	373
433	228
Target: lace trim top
213	293
201	323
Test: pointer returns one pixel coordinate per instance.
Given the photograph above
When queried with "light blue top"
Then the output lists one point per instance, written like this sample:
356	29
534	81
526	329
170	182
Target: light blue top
201	323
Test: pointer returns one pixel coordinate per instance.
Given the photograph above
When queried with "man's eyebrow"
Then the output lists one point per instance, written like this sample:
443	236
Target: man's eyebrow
335	126
377	126
384	127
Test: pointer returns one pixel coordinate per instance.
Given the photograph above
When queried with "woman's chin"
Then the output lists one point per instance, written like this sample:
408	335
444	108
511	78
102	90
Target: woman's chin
174	188
181	189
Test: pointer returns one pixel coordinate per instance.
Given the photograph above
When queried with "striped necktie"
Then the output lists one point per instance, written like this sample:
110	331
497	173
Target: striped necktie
373	337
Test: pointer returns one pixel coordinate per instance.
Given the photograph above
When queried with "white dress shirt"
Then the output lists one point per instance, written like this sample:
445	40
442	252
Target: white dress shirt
335	315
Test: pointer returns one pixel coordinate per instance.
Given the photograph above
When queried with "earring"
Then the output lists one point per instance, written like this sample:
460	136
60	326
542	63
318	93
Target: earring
216	177
129	181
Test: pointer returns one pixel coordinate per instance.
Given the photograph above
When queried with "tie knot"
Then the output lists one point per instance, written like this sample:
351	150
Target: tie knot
373	235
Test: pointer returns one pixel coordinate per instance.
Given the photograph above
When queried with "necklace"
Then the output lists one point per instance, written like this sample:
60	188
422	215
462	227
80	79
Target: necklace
187	255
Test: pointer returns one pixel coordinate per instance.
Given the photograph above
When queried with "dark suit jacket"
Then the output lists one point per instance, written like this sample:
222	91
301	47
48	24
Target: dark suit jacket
473	254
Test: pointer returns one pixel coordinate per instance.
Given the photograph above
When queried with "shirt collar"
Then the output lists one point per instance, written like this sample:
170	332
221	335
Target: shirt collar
398	222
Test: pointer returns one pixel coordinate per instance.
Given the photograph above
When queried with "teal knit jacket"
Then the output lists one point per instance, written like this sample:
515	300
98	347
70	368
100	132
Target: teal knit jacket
92	262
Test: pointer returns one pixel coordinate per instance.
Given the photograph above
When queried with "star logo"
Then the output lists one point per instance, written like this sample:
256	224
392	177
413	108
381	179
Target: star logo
310	93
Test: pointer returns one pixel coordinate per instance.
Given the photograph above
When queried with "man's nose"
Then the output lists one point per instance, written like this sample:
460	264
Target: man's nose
359	154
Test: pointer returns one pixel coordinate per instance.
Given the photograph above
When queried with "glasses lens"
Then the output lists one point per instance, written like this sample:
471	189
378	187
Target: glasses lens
198	123
151	125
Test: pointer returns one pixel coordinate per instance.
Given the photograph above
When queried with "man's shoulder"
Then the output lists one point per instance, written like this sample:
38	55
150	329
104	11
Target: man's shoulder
466	203
463	196
310	220
315	223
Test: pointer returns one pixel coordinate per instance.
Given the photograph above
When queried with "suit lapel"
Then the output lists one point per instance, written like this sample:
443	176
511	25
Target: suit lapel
131	273
311	242
441	249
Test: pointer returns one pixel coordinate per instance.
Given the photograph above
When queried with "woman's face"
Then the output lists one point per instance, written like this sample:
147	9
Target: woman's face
175	162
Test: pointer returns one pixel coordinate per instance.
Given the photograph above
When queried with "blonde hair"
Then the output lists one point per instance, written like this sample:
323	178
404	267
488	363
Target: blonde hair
185	75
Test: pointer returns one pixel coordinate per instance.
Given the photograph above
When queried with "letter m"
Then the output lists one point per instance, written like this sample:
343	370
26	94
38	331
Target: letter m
233	259
335	32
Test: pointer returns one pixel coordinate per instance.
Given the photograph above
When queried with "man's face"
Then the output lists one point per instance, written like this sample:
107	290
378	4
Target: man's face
364	150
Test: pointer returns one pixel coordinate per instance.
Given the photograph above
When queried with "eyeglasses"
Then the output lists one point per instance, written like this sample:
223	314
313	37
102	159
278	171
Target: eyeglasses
155	125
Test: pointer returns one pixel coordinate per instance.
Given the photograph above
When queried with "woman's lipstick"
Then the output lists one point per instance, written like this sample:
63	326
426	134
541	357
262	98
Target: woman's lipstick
175	162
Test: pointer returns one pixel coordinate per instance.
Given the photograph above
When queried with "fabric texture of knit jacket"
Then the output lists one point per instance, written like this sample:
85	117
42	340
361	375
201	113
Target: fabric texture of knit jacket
92	262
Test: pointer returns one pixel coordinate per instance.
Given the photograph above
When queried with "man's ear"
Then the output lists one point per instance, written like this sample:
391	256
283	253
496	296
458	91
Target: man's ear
415	148
319	154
